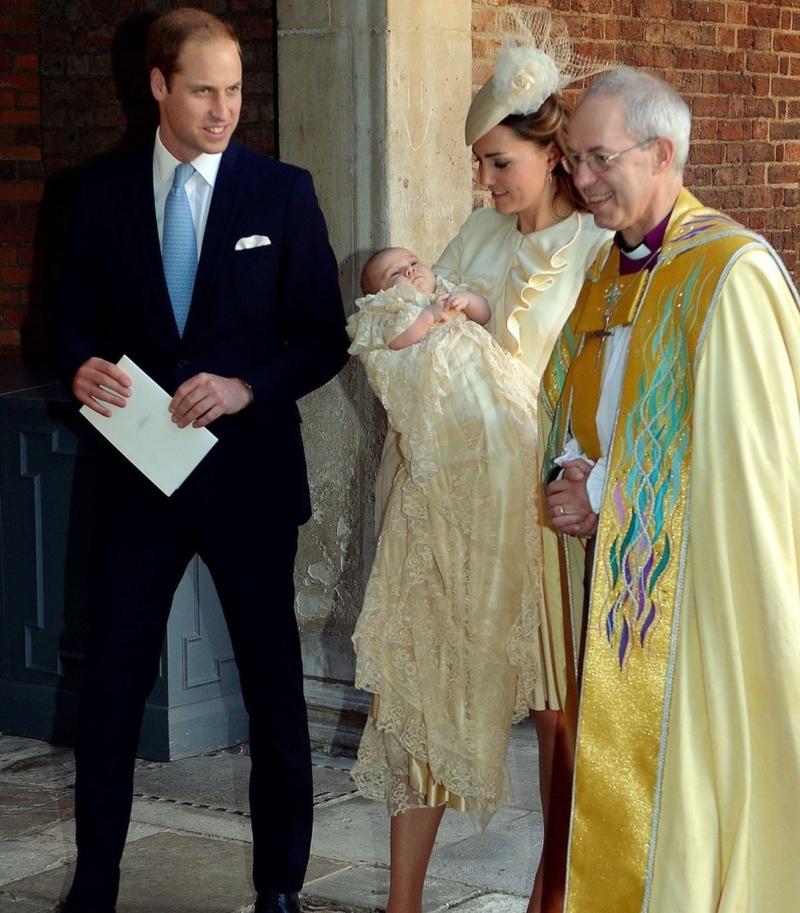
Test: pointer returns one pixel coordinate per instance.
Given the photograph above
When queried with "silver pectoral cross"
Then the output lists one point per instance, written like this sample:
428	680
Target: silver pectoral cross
612	296
604	332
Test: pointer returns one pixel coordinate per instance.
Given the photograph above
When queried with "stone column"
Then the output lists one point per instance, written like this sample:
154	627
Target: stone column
371	99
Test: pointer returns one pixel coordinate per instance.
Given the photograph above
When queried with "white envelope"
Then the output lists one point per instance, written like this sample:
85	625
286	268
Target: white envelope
144	432
252	241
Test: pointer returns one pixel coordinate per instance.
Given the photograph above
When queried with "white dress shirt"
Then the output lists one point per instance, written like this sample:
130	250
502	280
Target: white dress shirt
614	360
199	187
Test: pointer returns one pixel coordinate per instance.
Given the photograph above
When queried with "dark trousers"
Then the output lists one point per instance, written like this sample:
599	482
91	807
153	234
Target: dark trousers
143	543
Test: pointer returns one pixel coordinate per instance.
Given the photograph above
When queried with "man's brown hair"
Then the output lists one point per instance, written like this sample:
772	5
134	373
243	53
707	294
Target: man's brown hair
170	32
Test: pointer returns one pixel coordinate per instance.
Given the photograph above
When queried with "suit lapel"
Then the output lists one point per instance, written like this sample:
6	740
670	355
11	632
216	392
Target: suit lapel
225	200
141	204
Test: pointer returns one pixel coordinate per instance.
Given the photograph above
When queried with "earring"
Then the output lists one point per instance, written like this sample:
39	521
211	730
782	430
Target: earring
549	175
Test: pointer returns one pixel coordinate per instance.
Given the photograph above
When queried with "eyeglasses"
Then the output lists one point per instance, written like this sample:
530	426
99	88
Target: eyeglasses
598	162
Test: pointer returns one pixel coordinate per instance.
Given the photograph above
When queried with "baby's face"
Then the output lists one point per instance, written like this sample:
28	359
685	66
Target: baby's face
398	266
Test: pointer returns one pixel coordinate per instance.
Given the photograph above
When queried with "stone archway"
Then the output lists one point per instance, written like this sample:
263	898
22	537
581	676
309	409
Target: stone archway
371	99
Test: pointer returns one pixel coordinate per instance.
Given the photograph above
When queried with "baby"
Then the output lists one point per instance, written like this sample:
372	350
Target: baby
449	609
394	266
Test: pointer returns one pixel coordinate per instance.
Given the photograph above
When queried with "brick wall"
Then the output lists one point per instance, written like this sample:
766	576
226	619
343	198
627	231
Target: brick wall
73	86
21	171
737	64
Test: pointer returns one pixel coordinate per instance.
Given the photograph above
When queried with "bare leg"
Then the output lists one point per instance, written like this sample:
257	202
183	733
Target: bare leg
546	722
556	760
413	834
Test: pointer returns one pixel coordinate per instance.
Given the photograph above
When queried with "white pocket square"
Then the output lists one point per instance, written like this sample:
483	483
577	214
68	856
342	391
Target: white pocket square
252	241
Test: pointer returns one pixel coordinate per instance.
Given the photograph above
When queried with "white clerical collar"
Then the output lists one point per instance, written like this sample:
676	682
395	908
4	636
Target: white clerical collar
638	253
206	164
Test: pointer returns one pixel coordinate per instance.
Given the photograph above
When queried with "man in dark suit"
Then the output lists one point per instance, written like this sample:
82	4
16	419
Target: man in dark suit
265	326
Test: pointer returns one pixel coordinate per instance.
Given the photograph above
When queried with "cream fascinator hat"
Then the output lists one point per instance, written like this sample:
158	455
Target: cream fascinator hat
534	61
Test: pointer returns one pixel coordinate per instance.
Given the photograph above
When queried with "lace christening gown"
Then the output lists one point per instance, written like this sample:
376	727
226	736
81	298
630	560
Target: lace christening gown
447	638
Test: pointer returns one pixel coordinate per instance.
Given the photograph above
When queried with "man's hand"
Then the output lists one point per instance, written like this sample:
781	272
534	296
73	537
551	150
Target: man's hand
99	381
205	397
568	504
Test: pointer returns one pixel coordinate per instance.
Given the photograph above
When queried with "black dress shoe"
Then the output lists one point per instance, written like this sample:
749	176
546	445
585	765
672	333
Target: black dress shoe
70	907
273	902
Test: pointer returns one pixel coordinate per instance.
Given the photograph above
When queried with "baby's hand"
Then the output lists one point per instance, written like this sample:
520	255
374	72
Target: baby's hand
455	301
437	310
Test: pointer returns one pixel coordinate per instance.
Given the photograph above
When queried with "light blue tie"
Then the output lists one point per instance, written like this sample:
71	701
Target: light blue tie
179	245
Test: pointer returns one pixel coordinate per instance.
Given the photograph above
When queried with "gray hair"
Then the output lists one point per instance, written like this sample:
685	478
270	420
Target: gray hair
652	108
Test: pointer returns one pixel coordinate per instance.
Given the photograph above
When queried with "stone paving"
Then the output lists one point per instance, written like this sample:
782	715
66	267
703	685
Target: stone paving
188	847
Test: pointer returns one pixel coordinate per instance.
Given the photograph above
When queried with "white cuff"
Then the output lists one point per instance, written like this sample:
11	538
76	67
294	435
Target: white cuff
572	451
595	483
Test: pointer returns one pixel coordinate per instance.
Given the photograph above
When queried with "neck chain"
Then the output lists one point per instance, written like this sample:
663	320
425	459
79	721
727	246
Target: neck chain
629	287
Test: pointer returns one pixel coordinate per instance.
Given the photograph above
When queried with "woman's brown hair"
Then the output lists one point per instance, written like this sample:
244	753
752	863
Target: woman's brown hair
543	127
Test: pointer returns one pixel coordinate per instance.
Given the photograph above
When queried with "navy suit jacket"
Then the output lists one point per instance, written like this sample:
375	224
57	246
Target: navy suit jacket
271	314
